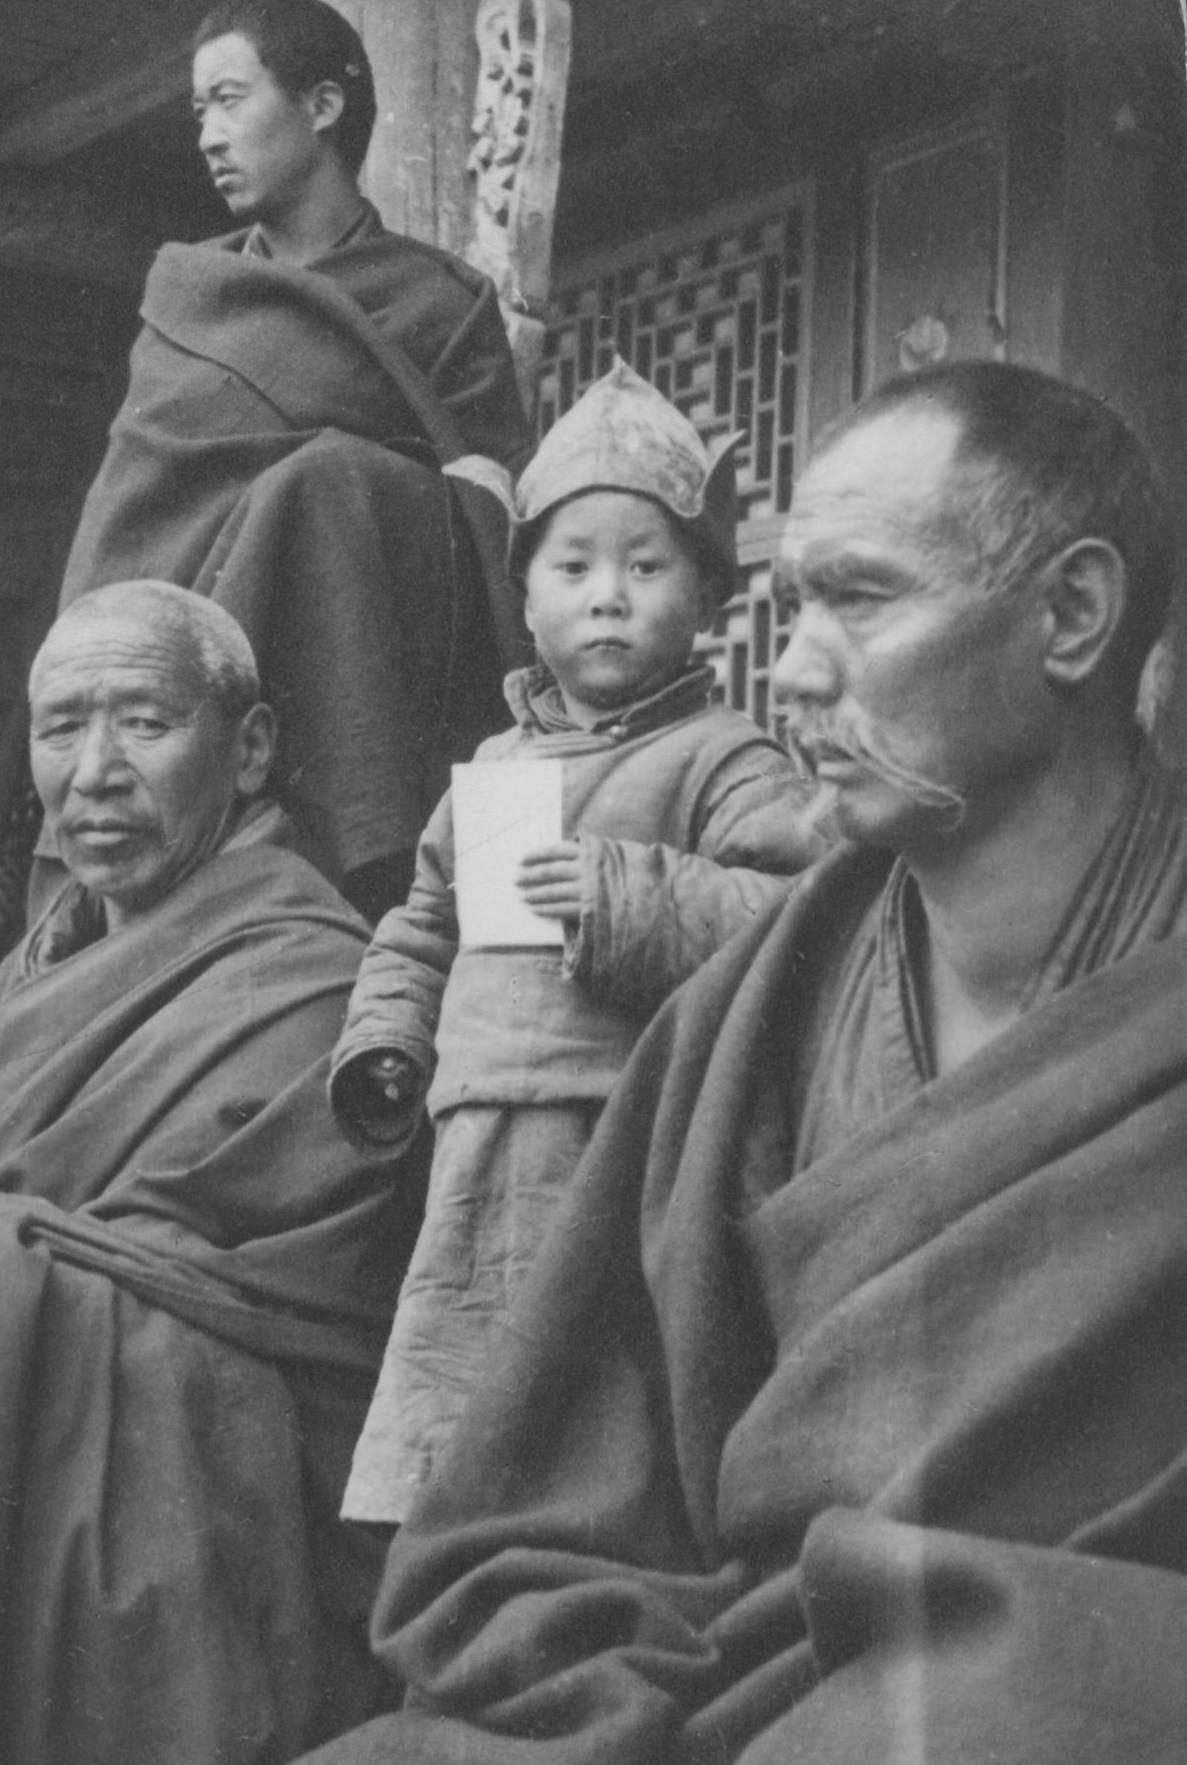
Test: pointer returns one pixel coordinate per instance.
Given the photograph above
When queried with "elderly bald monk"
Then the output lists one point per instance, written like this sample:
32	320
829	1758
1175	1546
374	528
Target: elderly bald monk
844	1419
196	1273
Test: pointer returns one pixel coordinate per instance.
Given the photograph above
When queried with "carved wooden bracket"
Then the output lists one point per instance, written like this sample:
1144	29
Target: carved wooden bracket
524	51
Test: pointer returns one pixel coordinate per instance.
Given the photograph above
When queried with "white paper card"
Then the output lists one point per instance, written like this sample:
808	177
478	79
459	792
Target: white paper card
502	809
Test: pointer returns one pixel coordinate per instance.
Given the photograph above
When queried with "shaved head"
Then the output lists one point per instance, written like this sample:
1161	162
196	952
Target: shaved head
147	739
1037	464
214	641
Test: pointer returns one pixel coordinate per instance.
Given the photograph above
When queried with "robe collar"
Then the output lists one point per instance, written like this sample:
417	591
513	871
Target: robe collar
539	708
365	225
75	918
1131	893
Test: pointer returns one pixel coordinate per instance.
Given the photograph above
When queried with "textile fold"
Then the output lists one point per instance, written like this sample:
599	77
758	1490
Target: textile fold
884	1462
196	1278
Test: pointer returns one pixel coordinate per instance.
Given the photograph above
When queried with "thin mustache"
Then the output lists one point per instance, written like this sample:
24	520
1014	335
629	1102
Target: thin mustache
100	826
810	734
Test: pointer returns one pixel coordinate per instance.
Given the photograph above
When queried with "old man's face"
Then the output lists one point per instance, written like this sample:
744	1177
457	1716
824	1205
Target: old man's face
137	766
915	693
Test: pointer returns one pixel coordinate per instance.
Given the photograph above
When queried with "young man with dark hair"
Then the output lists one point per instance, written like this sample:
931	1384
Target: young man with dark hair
294	392
842	1417
304	44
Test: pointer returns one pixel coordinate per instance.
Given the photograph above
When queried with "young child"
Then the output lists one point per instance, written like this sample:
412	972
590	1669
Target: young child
673	807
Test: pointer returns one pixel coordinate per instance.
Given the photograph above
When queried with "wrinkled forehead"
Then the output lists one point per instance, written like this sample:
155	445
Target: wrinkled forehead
93	651
886	474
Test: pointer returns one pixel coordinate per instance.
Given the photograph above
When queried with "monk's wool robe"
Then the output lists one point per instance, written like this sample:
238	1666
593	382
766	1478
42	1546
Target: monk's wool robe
265	456
196	1278
690	823
842	1419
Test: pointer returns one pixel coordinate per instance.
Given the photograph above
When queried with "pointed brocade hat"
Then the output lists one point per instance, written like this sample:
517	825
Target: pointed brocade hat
624	435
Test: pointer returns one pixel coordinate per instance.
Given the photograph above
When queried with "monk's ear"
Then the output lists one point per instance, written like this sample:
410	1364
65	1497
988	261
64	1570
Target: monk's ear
255	749
326	102
1084	590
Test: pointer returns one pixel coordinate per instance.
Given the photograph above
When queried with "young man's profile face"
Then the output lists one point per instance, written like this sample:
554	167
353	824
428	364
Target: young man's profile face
898	651
260	144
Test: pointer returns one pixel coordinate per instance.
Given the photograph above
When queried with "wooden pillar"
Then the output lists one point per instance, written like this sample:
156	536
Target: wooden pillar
425	61
467	146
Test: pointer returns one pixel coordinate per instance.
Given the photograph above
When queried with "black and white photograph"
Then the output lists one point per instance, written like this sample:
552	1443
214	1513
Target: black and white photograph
593	882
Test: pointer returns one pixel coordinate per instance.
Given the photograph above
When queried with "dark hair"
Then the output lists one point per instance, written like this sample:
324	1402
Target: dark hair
1039	464
301	43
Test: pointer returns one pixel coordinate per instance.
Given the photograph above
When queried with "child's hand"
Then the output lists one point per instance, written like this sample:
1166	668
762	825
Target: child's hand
395	1075
550	880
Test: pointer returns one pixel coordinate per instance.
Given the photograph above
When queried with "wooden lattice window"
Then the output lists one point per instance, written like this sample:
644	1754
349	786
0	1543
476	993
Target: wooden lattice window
716	318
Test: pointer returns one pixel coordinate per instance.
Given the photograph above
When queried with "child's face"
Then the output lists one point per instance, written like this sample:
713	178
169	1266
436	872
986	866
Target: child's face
615	599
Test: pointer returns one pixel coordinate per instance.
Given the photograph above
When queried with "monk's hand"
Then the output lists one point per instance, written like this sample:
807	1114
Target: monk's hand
550	880
397	1077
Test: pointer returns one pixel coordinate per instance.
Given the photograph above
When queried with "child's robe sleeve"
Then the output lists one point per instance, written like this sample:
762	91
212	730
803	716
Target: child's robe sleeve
397	997
652	914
